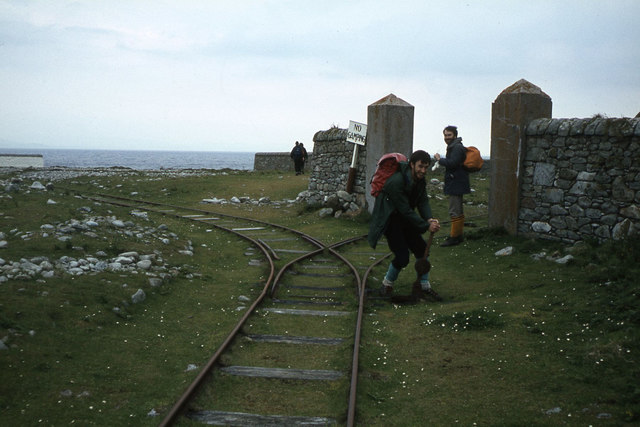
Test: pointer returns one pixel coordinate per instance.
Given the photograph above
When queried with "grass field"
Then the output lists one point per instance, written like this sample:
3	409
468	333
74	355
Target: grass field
516	341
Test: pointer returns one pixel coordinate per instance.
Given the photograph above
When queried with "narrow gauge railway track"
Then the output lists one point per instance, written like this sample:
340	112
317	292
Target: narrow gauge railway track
299	348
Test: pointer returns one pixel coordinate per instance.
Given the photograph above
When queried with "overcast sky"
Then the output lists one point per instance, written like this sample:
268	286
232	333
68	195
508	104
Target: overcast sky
242	75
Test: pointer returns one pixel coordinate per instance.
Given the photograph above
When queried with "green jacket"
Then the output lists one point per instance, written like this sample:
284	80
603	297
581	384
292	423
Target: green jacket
396	196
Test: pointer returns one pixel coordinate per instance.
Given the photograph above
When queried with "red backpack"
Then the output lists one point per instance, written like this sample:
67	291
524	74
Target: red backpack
387	166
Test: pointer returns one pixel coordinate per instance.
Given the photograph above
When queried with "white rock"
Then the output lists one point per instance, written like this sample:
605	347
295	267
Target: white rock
145	264
37	185
130	254
505	251
565	259
541	227
51	202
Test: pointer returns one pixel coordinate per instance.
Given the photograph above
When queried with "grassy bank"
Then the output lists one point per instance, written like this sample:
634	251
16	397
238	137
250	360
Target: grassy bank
518	339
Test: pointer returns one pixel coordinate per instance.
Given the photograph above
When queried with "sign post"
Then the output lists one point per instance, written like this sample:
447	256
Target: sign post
357	134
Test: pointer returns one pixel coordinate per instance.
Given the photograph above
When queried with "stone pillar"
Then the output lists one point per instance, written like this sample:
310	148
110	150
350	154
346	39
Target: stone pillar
512	110
389	129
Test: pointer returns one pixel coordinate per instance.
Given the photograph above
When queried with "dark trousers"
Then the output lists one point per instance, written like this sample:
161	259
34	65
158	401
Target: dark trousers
402	239
298	164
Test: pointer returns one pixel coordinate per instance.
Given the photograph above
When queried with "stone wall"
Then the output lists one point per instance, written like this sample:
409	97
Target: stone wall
330	166
21	161
277	161
580	179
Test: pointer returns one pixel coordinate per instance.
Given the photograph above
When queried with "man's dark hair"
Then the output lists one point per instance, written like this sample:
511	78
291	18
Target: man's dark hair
451	128
420	155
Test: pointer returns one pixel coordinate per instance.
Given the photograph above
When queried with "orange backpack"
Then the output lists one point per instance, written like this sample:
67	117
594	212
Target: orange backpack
473	161
387	166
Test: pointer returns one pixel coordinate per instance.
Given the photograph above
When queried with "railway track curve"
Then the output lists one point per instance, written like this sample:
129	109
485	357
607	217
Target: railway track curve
298	341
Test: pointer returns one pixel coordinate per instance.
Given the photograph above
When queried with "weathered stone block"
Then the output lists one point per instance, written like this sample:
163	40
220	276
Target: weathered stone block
558	210
541	227
544	174
558	222
576	211
553	195
631	212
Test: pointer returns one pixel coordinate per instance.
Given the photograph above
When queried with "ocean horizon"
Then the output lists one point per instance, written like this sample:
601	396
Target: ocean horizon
140	159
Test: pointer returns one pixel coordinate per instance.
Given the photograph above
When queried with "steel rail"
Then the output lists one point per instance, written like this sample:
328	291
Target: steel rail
186	395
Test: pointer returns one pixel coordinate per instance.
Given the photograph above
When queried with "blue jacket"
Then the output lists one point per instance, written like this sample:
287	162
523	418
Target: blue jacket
397	196
456	179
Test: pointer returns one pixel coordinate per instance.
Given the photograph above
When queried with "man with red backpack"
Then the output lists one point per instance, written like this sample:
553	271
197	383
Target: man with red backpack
456	182
394	215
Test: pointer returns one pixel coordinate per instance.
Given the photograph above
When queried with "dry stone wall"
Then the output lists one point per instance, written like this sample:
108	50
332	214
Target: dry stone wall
330	166
277	161
581	179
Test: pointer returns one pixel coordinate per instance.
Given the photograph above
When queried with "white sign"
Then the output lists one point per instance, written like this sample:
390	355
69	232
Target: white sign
357	133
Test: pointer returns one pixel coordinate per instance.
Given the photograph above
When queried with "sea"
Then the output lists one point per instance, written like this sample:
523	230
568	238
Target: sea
140	160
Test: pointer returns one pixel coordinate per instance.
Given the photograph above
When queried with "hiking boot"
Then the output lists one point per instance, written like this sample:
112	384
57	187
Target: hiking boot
452	241
431	293
386	291
387	287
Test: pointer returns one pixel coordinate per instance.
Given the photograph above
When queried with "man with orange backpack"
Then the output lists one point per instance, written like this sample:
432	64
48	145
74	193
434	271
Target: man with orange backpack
394	215
456	182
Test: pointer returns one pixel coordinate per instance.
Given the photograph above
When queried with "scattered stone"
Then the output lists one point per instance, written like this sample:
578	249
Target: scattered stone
144	264
564	260
37	185
325	212
155	282
505	251
138	297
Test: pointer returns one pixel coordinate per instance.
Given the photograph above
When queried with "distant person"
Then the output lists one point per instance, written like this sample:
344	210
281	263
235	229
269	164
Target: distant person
456	183
305	157
297	156
394	216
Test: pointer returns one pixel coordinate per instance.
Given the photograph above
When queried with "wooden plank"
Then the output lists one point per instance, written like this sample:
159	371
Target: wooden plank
307	312
306	302
287	339
243	419
282	373
317	288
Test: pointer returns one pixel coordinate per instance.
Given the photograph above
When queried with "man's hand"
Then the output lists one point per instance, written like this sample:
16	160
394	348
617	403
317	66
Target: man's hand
436	156
434	225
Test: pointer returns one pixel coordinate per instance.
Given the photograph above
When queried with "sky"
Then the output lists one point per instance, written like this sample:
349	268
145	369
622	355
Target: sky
249	75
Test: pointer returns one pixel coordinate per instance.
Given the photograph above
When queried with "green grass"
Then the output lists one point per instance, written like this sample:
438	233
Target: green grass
513	339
